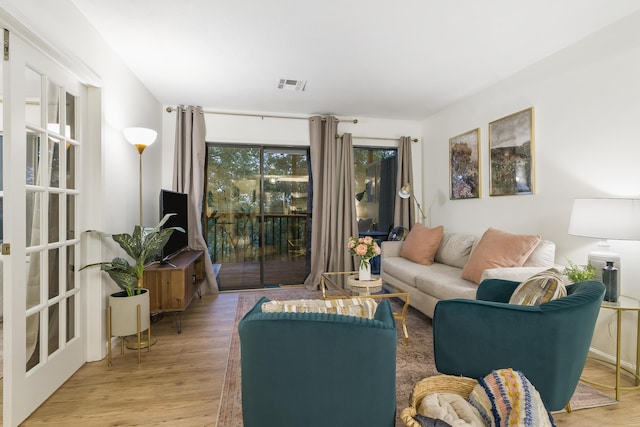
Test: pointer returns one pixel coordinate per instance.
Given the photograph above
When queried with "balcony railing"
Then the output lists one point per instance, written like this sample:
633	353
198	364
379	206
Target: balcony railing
237	237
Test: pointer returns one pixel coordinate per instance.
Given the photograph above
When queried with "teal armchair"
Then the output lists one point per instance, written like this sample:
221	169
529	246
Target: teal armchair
548	343
318	370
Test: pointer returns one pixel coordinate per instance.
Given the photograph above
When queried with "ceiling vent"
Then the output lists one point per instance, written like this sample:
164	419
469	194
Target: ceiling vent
292	85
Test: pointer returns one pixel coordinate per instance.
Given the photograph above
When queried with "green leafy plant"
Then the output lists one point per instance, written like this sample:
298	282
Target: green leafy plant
579	273
143	245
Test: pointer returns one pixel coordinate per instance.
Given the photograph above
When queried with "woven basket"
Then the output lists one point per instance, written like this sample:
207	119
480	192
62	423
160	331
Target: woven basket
436	384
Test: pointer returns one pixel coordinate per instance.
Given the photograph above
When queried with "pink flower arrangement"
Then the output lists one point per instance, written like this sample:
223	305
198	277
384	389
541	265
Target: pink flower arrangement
364	247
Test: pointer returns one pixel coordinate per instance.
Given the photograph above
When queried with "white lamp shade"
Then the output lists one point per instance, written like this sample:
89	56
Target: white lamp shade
405	191
615	219
140	136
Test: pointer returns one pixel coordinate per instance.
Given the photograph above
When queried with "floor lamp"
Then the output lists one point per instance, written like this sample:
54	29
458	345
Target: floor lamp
615	219
405	193
141	138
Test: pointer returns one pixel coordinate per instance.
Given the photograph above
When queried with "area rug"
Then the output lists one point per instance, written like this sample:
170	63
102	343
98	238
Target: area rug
586	397
414	360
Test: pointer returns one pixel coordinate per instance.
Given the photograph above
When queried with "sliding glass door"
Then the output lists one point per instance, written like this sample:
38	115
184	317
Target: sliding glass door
232	209
286	237
256	222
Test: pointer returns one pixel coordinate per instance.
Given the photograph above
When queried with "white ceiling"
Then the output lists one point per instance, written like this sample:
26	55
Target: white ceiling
402	59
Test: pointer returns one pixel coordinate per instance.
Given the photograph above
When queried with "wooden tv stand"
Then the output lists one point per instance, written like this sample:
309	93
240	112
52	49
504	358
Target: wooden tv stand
172	285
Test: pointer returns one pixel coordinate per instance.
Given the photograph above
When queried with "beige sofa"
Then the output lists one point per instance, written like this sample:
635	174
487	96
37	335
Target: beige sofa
428	284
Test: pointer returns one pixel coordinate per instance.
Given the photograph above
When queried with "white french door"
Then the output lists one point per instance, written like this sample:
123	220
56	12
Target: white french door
39	195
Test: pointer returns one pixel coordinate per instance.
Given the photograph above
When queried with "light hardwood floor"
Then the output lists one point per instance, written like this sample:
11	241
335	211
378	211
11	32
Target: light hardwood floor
179	383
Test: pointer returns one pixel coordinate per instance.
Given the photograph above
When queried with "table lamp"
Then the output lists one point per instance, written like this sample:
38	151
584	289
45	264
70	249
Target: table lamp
604	219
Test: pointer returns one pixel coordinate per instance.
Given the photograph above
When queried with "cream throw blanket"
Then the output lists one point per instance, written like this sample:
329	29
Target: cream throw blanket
451	408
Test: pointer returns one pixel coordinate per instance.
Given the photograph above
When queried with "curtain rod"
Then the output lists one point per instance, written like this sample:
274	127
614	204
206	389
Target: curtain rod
262	116
378	138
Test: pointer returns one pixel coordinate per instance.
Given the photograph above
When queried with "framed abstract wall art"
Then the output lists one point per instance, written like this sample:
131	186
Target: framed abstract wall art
511	154
464	165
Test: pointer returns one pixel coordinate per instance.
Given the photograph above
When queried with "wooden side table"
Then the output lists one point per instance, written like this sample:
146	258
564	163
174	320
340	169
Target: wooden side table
623	304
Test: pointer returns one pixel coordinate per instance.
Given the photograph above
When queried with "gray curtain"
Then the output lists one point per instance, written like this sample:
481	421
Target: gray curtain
334	209
405	211
189	176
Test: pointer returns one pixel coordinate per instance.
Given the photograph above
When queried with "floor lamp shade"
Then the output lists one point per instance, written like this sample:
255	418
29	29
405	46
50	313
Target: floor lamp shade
140	137
405	193
604	219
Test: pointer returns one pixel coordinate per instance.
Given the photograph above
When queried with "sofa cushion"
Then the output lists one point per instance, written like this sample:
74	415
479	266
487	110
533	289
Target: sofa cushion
498	248
517	274
421	244
444	282
544	255
455	248
404	270
540	288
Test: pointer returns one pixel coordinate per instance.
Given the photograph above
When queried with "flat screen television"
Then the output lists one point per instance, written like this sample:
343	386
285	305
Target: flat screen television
178	204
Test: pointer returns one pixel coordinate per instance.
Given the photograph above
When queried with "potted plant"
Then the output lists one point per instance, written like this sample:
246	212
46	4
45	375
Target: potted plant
143	246
579	273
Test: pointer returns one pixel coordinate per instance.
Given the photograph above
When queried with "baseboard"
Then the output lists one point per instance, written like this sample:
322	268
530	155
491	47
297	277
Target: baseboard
611	361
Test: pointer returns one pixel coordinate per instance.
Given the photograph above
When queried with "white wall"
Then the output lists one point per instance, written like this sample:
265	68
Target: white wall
110	163
587	144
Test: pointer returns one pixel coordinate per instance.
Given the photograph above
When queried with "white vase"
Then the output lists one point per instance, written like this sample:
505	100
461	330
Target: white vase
365	271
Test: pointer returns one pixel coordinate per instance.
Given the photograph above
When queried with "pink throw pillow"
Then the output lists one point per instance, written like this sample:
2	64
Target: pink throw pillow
498	249
421	244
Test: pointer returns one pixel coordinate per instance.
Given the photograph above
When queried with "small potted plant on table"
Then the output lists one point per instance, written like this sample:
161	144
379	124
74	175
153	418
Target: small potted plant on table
579	273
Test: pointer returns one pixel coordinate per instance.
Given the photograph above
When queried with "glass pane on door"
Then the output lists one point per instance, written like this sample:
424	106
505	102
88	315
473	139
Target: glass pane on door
286	198
375	184
232	209
256	215
33	101
51	242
